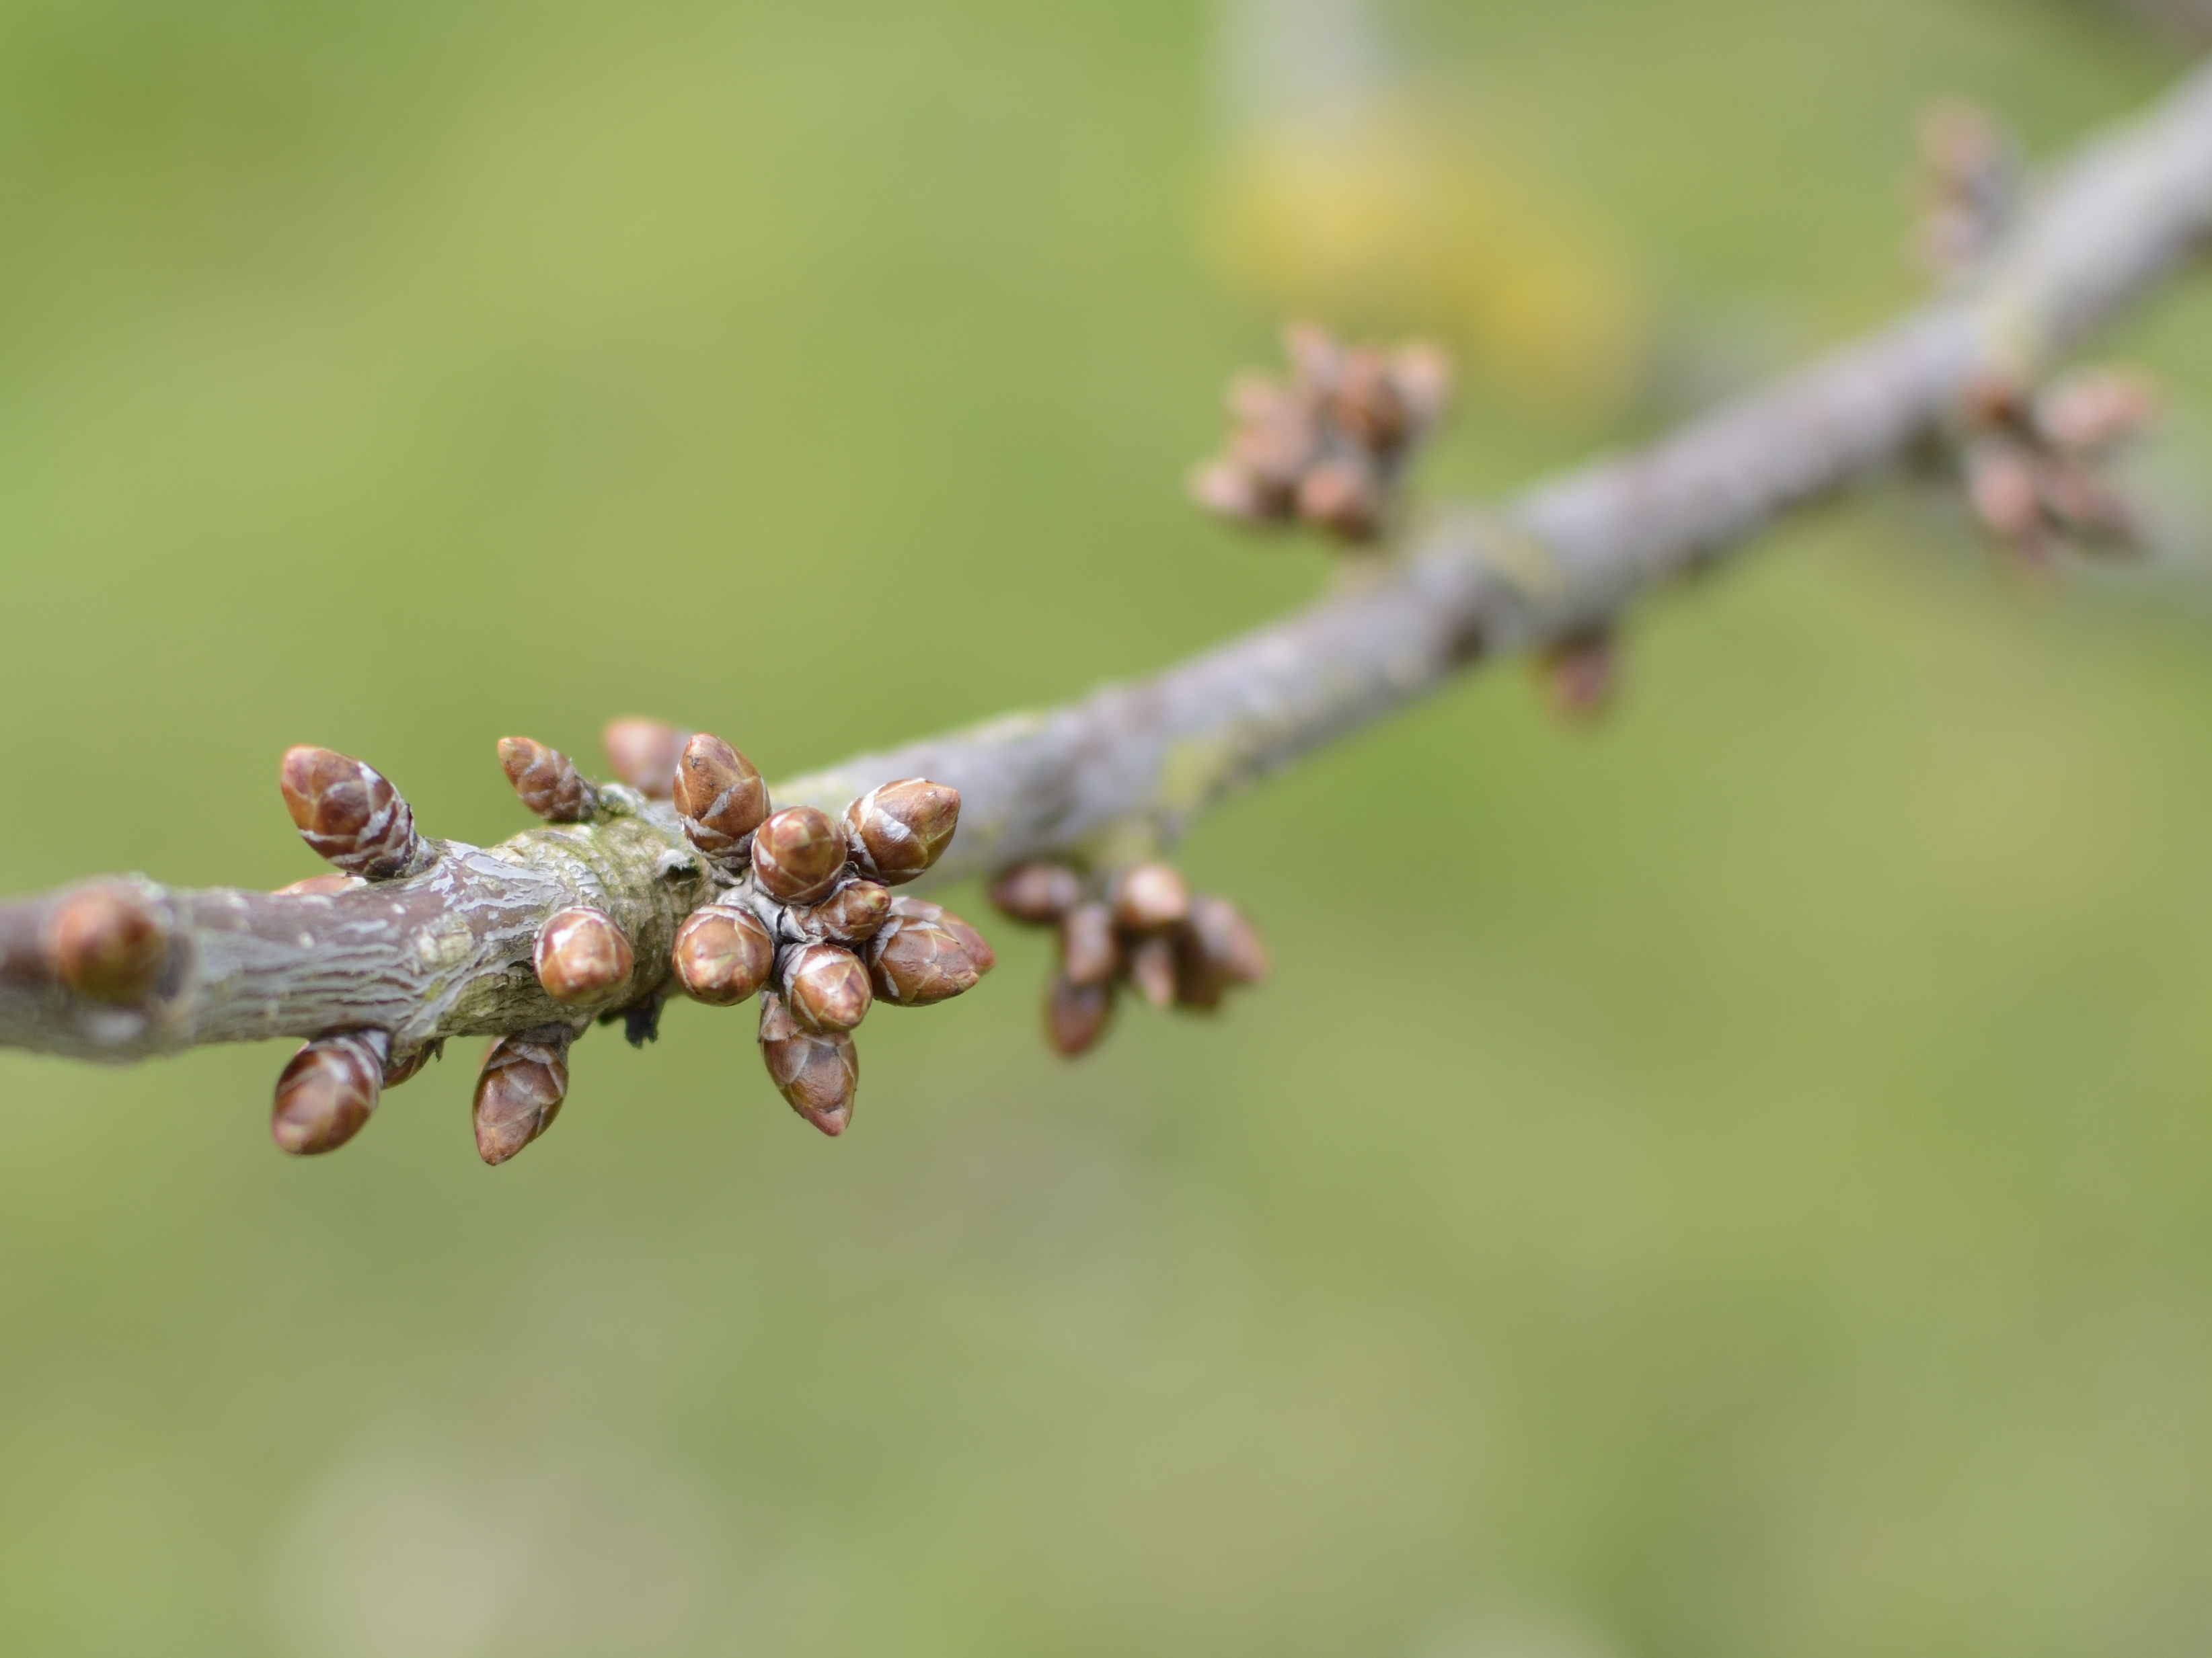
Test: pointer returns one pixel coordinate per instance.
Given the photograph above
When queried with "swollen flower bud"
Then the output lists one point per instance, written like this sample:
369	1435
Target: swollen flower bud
1076	1016
350	814
106	942
1152	969
547	780
916	961
723	954
2092	410
850	916
1228	944
1367	403
525	1079
581	956
797	855
643	754
978	948
899	830
327	1092
1038	894
1149	896
1090	951
816	1072
719	795
1342	495
826	987
2004	491
1580	676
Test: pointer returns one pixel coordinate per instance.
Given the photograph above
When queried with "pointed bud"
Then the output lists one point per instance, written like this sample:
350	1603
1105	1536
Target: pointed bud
1343	495
798	854
980	952
1228	944
719	795
1367	404
723	954
1076	1016
107	943
1152	969
978	948
2092	410
1038	894
1149	896
916	961
643	754
327	1092
320	886
817	1073
581	956
826	987
2092	510
850	916
1090	951
547	780
350	814
525	1079
899	830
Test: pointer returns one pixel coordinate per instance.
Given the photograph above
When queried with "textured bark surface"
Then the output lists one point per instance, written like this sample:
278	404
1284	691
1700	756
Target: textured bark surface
1112	777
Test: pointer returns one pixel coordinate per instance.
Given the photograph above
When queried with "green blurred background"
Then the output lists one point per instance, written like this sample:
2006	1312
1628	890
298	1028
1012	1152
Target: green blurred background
1745	1188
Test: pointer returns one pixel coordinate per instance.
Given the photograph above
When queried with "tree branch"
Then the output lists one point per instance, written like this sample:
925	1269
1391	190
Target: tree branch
448	952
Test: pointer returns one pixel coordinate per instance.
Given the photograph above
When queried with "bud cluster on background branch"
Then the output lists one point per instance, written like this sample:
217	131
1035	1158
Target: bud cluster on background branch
690	874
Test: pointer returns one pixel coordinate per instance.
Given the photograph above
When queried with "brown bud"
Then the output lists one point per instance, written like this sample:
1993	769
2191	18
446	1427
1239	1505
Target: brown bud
581	956
1316	358
1149	896
978	948
327	1092
1152	969
850	916
643	754
1090	950
798	854
2094	512
1343	495
1273	449
826	987
1230	490
1580	676
405	1062
1367	403
1038	894
547	780
915	961
525	1079
1226	942
818	1072
2092	410
350	815
320	886
899	830
106	942
719	795
723	954
2002	488
1076	1016
1422	375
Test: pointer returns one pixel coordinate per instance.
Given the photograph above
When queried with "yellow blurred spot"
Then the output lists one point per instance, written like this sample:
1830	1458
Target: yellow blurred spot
1390	222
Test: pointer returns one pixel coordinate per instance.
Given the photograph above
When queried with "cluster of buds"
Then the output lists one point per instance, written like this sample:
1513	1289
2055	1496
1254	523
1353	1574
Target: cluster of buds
1967	188
1328	446
1145	929
2034	463
805	917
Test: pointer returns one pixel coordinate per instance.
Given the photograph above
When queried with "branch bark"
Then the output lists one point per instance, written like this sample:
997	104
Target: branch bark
1125	770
